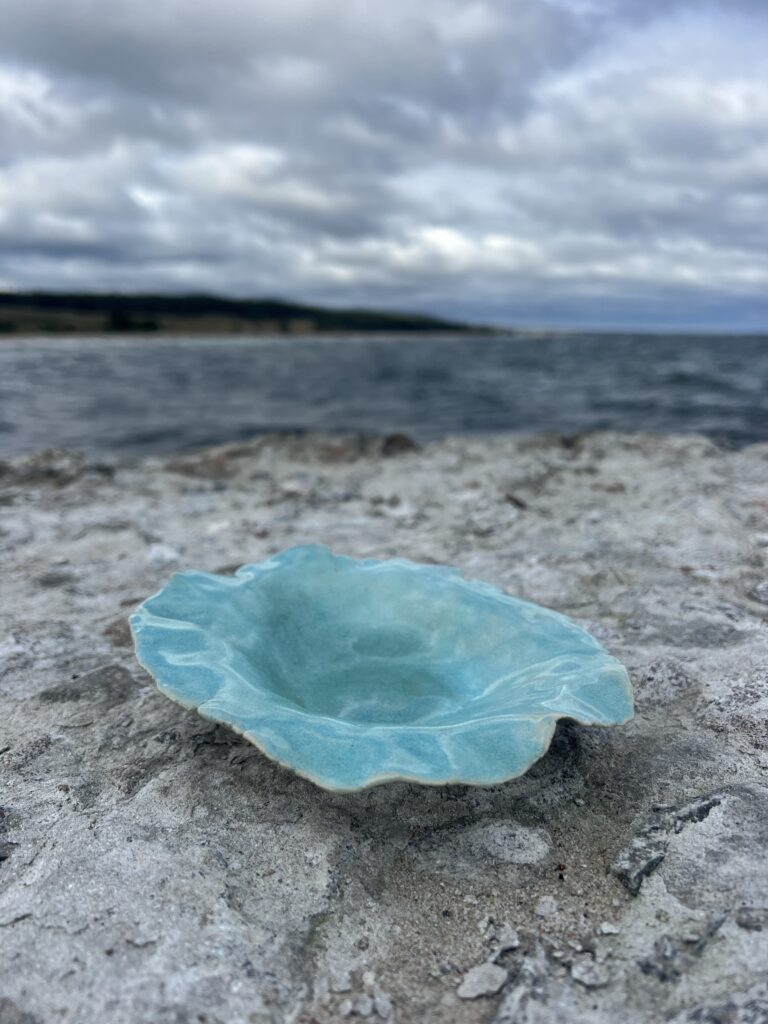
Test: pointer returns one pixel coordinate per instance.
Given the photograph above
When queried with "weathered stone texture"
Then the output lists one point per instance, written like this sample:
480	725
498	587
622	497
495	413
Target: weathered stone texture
156	869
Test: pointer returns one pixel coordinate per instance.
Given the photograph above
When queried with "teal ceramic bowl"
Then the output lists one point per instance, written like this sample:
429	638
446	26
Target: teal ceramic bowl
357	672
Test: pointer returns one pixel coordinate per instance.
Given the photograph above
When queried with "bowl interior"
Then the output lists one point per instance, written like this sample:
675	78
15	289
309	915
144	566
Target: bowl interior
391	645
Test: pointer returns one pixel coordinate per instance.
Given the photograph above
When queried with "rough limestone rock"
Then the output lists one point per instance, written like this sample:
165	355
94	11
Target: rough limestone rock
156	868
483	980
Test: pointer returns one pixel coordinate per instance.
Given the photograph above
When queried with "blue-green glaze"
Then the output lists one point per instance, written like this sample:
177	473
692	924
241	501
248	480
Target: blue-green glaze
356	672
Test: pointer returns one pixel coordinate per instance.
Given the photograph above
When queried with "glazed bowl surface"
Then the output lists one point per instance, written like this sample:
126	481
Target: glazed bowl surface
357	672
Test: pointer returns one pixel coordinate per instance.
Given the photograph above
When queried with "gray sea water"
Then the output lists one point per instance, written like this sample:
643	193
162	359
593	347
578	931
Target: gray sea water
138	395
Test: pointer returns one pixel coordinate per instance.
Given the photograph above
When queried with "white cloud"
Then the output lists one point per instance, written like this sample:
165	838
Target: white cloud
453	155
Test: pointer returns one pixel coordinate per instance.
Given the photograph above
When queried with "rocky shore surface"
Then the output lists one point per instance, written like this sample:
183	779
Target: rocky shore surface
155	868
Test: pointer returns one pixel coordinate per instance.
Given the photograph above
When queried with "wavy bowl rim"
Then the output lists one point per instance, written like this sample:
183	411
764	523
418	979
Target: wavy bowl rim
546	722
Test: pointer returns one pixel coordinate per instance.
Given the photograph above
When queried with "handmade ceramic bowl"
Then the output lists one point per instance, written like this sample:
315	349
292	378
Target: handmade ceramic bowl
354	673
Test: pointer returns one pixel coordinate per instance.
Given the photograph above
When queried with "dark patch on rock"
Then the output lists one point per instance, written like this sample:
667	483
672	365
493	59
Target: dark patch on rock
397	444
752	919
53	466
10	1013
55	578
649	847
614	487
573	442
6	849
106	686
28	752
563	755
217	463
8	819
61	694
671	957
665	681
119	632
694	633
134	775
345	448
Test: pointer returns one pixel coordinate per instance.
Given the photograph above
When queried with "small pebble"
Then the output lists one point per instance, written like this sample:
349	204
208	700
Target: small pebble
162	554
483	980
341	982
362	1006
606	928
382	1004
588	973
547	906
507	938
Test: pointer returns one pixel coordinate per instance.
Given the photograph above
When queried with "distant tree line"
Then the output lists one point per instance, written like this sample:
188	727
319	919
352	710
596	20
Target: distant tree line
27	312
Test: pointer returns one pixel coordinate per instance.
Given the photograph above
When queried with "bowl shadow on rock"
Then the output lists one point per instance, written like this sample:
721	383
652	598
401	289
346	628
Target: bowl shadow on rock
583	794
594	791
556	786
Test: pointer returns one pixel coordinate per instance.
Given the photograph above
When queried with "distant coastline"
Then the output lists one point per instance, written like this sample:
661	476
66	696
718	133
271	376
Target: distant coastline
30	313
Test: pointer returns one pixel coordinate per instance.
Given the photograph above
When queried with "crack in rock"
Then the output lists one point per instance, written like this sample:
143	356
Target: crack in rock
649	847
525	994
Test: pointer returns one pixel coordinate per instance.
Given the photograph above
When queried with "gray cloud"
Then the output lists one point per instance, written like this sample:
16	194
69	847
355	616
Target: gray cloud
559	161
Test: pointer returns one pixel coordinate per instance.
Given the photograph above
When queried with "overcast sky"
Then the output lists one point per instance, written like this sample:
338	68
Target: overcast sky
566	162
